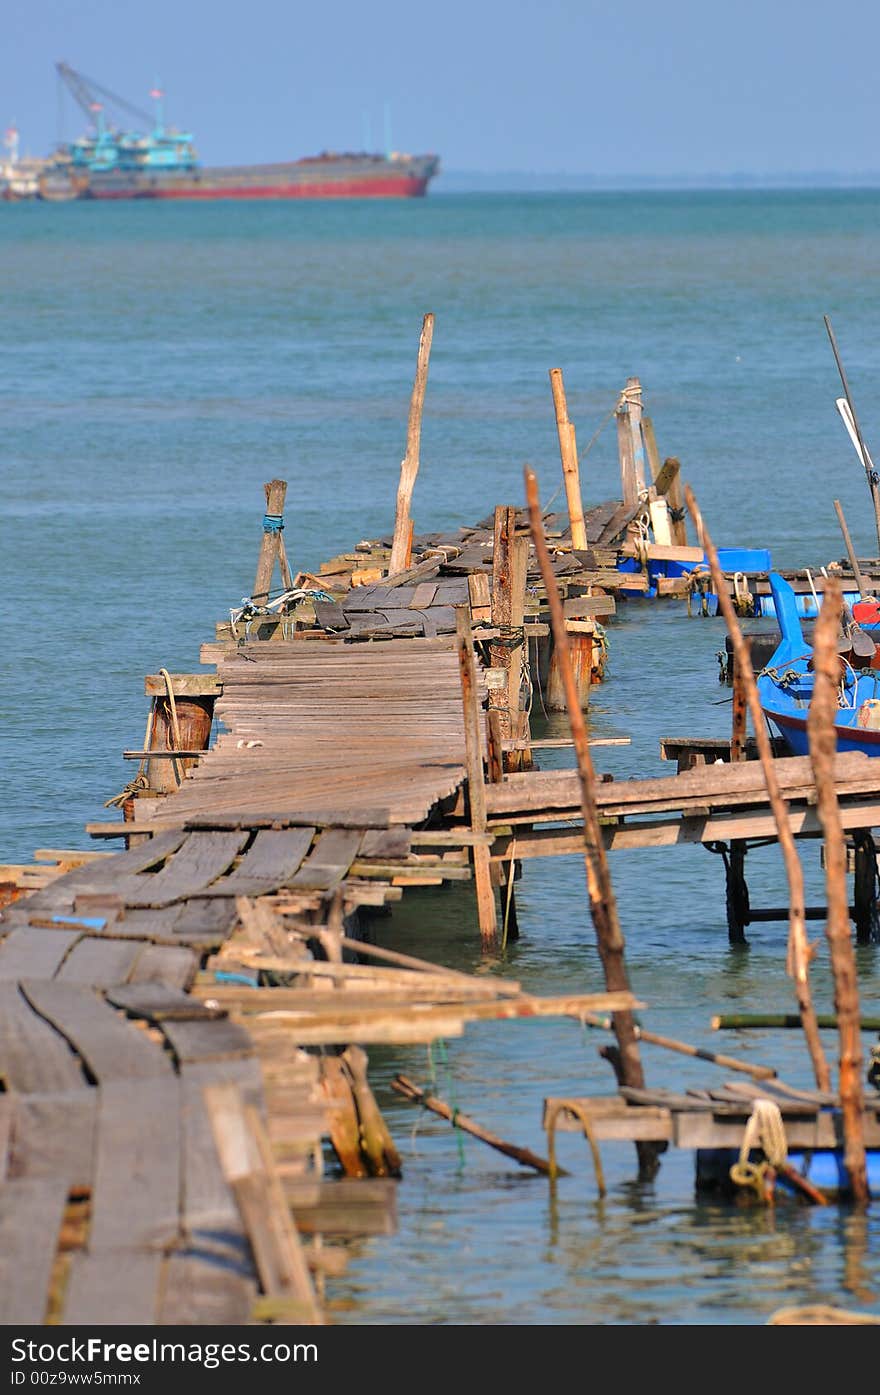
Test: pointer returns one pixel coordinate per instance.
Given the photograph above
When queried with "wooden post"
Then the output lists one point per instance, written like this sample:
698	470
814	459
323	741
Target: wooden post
409	466
272	546
628	485
633	394
740	714
603	906
822	736
502	610
486	910
651	448
850	551
668	483
799	951
570	470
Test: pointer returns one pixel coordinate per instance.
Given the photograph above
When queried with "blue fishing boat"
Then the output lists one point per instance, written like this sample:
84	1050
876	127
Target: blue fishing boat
785	685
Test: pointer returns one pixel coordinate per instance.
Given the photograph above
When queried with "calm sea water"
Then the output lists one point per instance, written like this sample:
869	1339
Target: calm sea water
158	364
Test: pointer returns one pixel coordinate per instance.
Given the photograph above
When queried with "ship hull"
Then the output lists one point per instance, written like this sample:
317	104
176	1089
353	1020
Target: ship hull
323	178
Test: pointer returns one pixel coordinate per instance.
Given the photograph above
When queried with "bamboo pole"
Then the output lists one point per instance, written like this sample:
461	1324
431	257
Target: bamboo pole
486	910
603	906
822	735
850	550
569	456
409	466
406	1087
783	1020
860	442
800	952
684	1048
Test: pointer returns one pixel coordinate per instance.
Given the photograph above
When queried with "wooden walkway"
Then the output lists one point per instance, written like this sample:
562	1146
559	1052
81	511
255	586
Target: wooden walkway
331	732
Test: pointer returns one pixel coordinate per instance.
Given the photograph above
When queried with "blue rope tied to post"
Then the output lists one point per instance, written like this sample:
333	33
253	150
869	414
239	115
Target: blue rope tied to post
273	522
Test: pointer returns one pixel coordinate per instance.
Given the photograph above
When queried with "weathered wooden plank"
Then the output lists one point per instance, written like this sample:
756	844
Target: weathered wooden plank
34	953
329	860
155	1001
111	1048
99	962
53	1136
273	858
206	1040
34	1058
136	1198
386	842
207	1288
209	1208
97	875
6	1102
176	968
204	916
199	861
31	1211
113	1288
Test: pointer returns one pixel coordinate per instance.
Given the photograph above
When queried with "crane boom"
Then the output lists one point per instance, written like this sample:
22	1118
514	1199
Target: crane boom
86	94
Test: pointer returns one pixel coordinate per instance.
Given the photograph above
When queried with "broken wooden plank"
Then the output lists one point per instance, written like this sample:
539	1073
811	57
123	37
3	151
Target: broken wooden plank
34	1058
111	1048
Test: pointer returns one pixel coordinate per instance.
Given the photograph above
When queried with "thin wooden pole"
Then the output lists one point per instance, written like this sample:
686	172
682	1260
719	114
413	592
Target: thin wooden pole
406	1087
409	466
685	1049
822	735
799	950
862	448
486	910
570	469
603	906
850	550
651	450
502	610
739	716
273	522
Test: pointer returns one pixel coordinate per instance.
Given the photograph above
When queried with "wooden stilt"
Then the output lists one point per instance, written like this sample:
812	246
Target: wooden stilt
570	469
486	909
799	950
737	890
409	466
823	746
603	905
502	603
865	887
271	548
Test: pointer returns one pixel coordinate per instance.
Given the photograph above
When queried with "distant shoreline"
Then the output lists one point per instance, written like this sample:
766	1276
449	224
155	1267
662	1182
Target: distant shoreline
519	182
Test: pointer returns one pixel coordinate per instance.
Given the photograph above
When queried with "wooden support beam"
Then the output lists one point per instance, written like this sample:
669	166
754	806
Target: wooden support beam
409	466
570	469
246	1159
486	908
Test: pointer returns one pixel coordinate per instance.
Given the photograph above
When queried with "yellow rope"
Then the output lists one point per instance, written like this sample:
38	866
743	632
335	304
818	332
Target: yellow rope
574	1107
175	727
765	1131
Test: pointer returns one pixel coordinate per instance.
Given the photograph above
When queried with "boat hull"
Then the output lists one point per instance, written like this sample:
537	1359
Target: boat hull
322	178
793	730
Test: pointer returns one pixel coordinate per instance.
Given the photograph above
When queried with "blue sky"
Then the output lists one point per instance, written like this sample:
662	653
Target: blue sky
652	88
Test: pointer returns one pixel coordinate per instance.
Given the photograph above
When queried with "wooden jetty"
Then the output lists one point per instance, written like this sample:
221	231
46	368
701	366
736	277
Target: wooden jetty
182	1023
